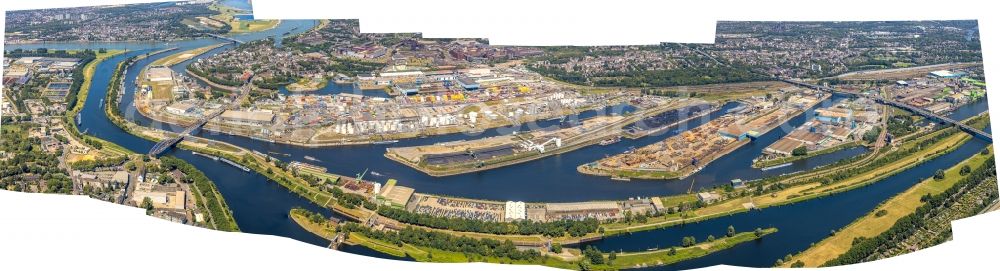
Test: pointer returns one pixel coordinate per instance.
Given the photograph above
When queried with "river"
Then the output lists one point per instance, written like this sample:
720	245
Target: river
261	206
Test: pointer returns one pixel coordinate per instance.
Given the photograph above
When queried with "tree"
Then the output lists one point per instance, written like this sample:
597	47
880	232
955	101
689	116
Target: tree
594	255
965	170
556	248
711	238
731	231
672	251
939	174
165	179
800	151
758	232
612	256
798	264
688	241
147	203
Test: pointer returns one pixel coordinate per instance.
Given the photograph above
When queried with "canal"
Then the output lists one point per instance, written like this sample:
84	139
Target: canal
261	206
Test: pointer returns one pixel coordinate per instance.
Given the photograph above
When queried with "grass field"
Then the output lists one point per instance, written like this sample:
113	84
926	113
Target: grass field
326	230
162	90
241	26
789	159
884	216
183	56
663	257
946	145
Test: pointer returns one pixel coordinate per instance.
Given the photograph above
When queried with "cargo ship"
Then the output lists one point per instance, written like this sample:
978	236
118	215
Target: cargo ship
609	141
621	178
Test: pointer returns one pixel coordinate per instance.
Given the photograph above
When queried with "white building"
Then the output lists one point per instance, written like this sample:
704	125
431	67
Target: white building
158	74
182	109
254	118
514	210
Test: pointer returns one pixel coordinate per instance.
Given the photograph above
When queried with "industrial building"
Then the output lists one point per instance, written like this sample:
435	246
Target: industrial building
253	118
514	210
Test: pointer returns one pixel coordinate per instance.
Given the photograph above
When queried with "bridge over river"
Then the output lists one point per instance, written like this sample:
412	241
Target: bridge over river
166	144
904	106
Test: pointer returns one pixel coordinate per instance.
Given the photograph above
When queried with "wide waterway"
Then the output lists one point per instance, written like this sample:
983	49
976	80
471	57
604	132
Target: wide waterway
799	225
261	206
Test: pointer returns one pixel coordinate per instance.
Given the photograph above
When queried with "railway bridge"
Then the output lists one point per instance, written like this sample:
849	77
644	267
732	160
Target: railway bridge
913	109
226	38
167	143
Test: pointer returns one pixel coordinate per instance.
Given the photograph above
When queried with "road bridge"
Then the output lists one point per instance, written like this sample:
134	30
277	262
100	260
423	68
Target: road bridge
915	110
226	38
167	143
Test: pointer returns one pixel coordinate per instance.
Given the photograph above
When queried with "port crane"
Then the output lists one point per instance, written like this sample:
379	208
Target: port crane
362	174
531	146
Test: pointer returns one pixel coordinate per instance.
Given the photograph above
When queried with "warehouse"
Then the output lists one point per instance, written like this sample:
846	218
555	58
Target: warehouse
783	146
467	83
254	118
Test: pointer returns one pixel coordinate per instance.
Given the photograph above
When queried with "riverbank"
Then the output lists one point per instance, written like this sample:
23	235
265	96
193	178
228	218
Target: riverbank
210	82
908	155
81	97
785	160
304	191
655	174
270	227
314	223
207	197
184	56
673	255
316	142
307	85
569	139
567	258
315	196
679	156
886	214
645	133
